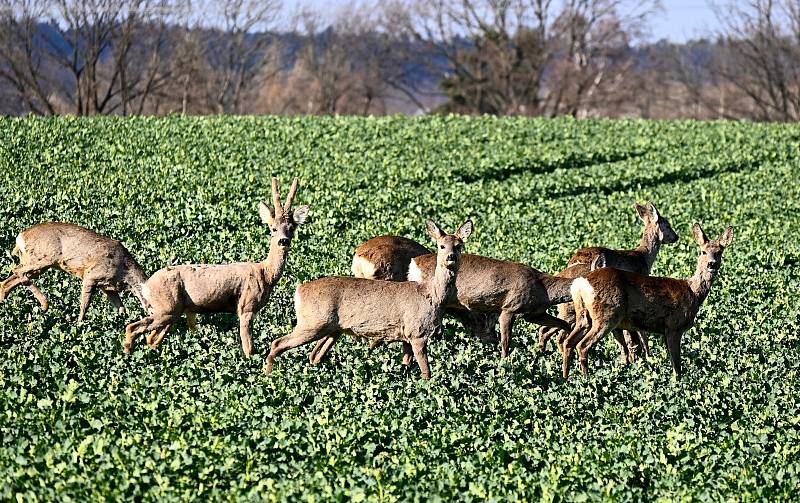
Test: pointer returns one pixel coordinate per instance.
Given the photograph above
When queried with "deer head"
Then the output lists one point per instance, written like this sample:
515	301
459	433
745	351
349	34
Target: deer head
449	246
281	218
652	219
710	259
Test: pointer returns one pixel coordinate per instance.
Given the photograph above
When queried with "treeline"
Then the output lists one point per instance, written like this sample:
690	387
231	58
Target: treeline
583	58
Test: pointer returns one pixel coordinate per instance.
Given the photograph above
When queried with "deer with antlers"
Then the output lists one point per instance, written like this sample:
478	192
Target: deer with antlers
607	299
243	288
101	263
407	312
657	231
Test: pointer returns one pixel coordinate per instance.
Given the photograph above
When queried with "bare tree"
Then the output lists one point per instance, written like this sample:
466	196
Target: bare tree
238	50
87	57
525	56
339	69
761	58
23	62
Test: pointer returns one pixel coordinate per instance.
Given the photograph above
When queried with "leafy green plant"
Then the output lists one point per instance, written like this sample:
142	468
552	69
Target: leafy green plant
197	420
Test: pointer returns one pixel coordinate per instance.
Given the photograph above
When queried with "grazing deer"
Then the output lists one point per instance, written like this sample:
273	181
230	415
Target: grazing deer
657	231
242	288
487	285
609	298
387	311
99	261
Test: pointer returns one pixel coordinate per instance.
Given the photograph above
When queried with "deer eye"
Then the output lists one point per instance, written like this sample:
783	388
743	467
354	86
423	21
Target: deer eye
441	247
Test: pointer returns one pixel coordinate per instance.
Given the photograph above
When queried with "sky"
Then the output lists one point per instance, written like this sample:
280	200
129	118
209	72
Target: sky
682	20
679	20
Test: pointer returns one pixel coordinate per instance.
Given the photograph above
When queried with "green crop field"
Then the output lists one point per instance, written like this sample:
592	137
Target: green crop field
79	420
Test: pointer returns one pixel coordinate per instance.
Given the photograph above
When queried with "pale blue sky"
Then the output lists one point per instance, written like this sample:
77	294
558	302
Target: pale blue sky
683	20
679	20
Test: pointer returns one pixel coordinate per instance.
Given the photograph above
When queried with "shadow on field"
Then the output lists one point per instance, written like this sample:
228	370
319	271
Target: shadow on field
572	160
681	176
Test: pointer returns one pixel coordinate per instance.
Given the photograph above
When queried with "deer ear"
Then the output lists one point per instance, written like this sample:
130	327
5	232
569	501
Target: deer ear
727	237
300	214
465	230
653	211
267	214
642	211
699	236
434	231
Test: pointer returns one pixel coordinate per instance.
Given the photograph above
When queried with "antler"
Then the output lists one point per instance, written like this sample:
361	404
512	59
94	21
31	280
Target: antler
276	197
290	197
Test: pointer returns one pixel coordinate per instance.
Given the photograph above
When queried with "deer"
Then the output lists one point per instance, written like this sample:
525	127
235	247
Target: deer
510	289
99	261
243	288
387	258
607	299
387	311
657	231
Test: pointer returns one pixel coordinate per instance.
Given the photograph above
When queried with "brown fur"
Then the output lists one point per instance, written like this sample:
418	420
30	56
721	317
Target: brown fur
243	288
389	257
640	260
385	311
510	289
608	299
99	261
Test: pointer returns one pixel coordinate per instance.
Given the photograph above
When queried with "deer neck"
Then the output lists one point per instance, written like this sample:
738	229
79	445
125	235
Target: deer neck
135	278
701	282
649	246
275	263
442	285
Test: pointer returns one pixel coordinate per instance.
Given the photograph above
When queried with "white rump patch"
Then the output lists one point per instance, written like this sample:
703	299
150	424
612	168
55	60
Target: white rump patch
582	287
20	243
297	299
145	292
414	273
363	268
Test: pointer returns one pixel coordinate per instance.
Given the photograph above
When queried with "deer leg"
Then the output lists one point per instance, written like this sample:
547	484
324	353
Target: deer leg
623	344
566	312
115	300
548	320
22	275
674	345
568	345
597	331
39	296
298	337
645	345
545	334
86	297
506	323
321	349
155	337
14	281
191	320
420	349
245	324
478	325
151	323
408	354
10	283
